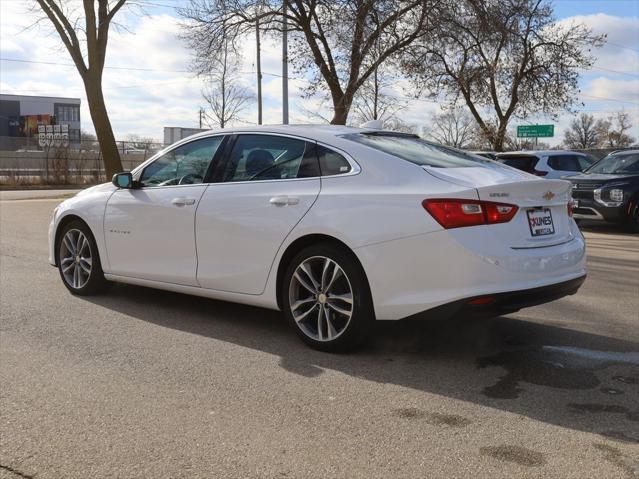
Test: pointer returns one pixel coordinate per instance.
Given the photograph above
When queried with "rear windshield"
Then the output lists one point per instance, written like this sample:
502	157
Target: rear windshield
414	149
521	162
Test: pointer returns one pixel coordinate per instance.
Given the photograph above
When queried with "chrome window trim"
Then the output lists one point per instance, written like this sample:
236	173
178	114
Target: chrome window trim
355	168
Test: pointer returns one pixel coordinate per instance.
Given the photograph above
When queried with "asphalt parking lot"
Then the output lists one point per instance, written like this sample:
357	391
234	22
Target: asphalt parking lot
146	384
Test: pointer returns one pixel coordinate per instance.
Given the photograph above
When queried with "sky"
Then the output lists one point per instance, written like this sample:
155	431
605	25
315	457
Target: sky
147	84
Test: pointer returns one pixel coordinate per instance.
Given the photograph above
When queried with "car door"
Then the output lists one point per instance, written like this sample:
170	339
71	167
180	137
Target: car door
268	184
150	230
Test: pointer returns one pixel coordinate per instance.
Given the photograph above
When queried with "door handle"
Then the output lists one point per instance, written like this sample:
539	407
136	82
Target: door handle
182	201
284	200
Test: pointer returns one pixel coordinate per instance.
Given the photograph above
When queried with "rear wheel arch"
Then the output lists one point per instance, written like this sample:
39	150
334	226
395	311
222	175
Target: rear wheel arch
303	242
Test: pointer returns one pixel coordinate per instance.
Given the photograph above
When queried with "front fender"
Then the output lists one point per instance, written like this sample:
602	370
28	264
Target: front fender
89	206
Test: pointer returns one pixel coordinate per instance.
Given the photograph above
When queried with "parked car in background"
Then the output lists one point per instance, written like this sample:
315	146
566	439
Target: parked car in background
491	155
551	164
335	226
609	190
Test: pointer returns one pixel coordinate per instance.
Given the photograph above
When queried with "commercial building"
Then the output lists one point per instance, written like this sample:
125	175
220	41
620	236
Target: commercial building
176	133
35	121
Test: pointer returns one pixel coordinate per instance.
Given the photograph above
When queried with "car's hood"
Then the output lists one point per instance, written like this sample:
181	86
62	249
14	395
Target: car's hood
104	187
599	177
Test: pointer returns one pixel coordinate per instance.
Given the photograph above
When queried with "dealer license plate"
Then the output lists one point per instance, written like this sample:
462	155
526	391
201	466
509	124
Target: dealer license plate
540	222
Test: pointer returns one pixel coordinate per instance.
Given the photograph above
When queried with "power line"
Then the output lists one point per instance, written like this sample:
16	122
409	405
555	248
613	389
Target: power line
17	60
140	85
608	99
623	46
628	73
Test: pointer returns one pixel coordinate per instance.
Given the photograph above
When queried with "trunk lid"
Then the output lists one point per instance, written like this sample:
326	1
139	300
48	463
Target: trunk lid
536	199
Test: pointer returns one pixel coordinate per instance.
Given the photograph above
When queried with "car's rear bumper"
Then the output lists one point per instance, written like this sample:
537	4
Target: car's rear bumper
502	303
419	273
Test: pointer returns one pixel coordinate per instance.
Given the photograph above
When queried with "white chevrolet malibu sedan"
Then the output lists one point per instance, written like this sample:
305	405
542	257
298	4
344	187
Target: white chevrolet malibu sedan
335	226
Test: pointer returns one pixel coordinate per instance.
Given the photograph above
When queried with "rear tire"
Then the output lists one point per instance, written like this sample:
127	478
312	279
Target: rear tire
78	260
327	300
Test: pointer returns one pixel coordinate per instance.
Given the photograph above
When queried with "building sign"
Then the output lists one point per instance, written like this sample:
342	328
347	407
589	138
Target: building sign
535	131
53	135
28	125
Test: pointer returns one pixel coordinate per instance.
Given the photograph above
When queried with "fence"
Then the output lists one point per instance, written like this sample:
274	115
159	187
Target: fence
24	162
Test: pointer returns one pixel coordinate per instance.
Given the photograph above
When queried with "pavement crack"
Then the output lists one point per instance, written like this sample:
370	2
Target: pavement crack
16	472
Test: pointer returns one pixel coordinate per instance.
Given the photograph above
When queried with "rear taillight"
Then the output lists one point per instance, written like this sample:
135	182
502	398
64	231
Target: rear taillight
540	173
458	213
571	207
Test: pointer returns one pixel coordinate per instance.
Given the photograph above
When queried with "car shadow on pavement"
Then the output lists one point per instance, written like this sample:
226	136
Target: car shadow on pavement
560	376
604	228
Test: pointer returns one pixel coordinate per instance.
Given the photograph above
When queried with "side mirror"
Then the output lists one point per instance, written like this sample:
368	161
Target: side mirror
123	180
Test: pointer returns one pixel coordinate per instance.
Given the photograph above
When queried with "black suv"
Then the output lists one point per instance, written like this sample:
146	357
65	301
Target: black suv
609	190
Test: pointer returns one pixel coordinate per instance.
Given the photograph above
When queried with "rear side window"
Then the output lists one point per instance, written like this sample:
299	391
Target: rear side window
421	152
565	163
269	157
332	163
523	163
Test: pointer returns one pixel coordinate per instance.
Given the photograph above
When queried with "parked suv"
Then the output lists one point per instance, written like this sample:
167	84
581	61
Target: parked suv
609	190
551	164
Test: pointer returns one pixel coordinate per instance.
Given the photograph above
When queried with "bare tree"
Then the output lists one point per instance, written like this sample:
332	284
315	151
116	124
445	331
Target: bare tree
399	125
224	93
372	102
137	142
612	131
503	59
583	132
453	127
85	33
334	41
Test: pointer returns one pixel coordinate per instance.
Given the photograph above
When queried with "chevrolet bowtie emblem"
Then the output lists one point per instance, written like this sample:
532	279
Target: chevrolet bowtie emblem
548	195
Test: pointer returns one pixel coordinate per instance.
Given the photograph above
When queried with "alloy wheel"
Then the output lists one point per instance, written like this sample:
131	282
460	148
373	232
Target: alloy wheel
75	258
321	298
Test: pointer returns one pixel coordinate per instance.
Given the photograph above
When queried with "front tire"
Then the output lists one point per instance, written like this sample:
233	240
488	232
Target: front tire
327	300
631	224
79	261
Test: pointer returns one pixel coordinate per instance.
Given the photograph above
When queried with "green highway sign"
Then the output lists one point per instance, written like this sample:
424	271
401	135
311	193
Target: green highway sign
535	131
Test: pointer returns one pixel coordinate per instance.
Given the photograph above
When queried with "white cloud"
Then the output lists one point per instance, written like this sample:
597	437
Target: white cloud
143	102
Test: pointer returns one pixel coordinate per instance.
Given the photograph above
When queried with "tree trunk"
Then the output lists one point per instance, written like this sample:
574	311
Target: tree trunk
341	108
499	137
102	125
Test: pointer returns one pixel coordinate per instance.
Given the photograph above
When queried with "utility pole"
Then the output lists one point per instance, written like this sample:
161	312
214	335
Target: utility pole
201	112
259	73
284	65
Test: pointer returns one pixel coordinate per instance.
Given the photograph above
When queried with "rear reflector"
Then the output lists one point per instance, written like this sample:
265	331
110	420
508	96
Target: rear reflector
458	213
482	300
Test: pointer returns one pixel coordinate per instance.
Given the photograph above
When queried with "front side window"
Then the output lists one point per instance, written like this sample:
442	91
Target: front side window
185	165
267	157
